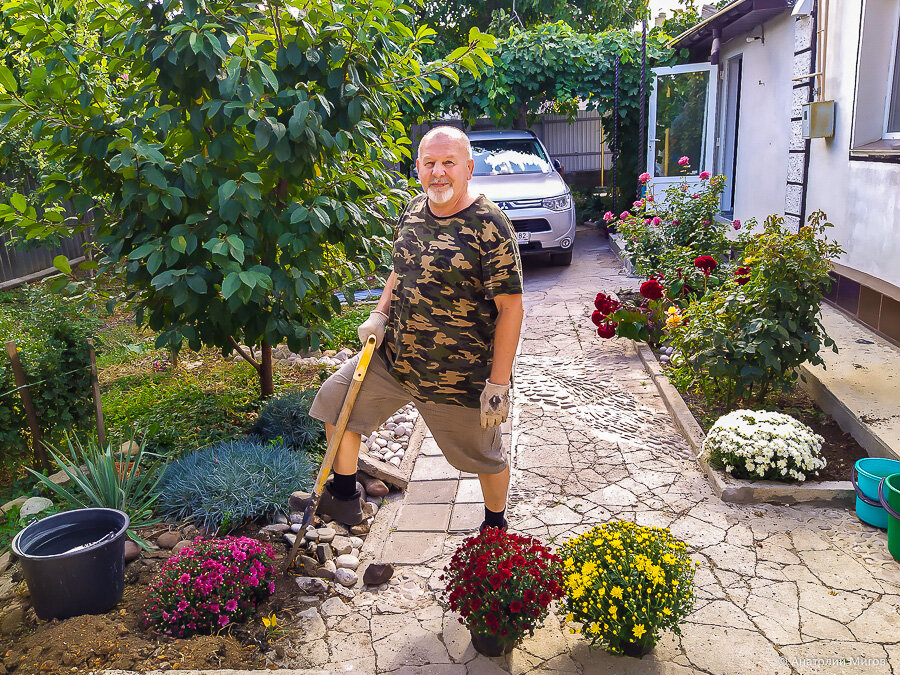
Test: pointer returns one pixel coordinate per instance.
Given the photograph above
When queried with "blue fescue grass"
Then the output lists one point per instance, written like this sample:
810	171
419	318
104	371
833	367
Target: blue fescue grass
287	417
222	486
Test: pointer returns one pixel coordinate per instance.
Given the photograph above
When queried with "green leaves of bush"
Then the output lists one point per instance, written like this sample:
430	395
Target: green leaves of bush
744	341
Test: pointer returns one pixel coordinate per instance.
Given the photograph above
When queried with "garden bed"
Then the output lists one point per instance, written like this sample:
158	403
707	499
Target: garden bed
842	447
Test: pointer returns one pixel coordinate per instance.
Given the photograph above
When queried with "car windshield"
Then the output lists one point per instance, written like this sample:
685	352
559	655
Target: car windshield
509	156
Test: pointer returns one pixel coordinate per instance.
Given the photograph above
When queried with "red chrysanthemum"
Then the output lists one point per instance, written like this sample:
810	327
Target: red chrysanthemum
515	607
607	329
652	289
706	264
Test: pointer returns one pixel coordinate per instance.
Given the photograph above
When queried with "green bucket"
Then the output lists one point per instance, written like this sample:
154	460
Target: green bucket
891	504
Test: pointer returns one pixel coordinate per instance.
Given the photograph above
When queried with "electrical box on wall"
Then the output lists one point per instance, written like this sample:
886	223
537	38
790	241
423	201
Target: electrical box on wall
818	119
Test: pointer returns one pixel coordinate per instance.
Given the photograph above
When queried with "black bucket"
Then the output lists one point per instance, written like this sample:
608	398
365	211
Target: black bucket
74	562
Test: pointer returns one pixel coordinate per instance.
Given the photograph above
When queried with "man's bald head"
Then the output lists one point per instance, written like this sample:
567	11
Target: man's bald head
448	133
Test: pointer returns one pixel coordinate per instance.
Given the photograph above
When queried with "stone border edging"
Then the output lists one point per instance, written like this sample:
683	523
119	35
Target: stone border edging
727	488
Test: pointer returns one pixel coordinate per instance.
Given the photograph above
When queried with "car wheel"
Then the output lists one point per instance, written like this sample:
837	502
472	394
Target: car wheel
564	258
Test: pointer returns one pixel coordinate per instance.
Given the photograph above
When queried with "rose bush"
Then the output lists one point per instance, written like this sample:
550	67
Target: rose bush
763	445
209	585
625	583
502	584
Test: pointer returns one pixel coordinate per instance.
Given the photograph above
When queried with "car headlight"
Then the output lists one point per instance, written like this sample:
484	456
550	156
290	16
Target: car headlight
560	203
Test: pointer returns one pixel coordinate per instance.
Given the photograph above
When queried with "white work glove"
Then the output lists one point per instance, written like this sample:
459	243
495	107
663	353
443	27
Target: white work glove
494	404
374	325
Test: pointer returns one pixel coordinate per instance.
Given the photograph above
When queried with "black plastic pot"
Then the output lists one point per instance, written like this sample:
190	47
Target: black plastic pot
74	562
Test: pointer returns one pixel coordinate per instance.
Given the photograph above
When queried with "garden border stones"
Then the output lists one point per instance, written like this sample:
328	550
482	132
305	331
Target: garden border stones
736	490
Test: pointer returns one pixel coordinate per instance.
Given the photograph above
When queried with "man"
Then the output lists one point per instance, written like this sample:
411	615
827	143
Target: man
446	326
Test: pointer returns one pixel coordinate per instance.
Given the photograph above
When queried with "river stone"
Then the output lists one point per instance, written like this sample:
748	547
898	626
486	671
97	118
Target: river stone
323	553
326	572
168	539
346	577
132	551
341	545
180	546
378	573
308	565
356	542
298	500
312	585
347	561
326	534
33	506
276	528
370	509
362	528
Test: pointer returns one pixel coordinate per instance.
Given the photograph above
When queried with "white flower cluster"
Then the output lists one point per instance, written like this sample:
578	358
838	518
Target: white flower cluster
760	444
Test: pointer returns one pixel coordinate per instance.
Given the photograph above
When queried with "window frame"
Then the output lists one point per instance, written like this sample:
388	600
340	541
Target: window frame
893	84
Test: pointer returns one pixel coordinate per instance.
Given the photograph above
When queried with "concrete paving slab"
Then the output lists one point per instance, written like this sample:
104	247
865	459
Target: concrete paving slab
423	518
430	447
466	517
469	492
433	468
412	548
431	492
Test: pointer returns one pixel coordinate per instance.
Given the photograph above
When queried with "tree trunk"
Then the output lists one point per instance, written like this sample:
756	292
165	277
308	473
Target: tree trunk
521	118
266	380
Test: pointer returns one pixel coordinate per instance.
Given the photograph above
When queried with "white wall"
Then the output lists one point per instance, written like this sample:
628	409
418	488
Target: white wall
765	112
862	198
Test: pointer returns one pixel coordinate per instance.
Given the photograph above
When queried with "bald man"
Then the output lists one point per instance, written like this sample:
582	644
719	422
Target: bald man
446	326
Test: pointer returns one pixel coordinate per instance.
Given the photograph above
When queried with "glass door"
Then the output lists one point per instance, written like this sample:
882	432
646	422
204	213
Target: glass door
682	124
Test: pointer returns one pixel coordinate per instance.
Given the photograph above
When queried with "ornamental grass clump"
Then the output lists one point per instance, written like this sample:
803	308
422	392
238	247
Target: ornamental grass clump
764	445
502	585
226	484
625	583
209	585
287	417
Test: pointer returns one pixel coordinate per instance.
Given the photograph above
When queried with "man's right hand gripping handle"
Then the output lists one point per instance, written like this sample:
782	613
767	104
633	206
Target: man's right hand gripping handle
374	325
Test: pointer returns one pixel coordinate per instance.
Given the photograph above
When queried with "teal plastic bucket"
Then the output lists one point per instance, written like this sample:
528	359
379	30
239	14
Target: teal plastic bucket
866	475
889	496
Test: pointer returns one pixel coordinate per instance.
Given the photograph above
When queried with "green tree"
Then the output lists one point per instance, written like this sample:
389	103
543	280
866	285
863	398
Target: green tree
553	67
455	18
234	155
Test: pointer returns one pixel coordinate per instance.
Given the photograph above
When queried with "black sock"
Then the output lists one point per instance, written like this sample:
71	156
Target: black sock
493	518
343	486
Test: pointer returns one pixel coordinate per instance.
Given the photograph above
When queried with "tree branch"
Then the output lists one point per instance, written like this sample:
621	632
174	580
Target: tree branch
249	359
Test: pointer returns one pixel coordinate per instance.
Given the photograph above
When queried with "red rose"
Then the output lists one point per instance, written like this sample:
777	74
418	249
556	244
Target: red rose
651	289
607	330
742	275
515	607
706	264
605	304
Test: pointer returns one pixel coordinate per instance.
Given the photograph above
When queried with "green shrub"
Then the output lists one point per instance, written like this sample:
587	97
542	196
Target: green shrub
52	342
287	417
224	485
746	338
341	328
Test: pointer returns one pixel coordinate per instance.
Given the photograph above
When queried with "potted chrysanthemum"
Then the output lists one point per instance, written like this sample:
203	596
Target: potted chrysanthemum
501	585
625	583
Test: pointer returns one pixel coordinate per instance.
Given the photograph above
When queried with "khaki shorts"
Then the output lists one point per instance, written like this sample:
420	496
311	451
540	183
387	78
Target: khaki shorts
457	430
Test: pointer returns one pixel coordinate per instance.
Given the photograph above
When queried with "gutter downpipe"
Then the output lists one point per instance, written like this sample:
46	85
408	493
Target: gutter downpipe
716	46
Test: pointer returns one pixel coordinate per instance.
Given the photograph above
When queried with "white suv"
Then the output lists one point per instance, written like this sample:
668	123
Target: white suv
514	170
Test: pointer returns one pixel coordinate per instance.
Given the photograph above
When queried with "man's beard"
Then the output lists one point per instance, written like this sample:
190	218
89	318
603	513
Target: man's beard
440	195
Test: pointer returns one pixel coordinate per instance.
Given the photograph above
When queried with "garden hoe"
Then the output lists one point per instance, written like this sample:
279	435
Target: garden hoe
333	445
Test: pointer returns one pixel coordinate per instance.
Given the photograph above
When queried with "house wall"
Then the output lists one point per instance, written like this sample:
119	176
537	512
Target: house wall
861	197
764	119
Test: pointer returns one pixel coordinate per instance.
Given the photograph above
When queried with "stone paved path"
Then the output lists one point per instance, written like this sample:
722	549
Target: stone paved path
779	589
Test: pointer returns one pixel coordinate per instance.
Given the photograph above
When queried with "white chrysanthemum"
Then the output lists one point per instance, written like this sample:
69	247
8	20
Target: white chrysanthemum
764	443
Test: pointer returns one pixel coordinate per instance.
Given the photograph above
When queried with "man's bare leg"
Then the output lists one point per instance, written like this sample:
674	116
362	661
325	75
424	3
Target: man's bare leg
347	452
494	487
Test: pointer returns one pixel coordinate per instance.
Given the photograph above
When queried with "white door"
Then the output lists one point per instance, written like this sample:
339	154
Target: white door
682	124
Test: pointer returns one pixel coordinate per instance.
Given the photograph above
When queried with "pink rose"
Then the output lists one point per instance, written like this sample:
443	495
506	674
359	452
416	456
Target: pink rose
736	224
684	161
649	198
608	216
657	220
638	204
704	175
644	177
624	215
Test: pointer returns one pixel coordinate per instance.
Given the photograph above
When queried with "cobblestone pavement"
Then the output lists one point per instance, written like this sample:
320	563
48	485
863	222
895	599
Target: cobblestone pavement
779	589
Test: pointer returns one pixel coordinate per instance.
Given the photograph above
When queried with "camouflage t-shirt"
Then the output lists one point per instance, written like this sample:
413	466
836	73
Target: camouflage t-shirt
440	335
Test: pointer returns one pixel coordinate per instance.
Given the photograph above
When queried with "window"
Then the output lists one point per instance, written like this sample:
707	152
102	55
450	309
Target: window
892	110
876	117
508	156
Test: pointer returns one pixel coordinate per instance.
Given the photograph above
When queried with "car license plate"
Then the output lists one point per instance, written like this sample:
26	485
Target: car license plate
523	237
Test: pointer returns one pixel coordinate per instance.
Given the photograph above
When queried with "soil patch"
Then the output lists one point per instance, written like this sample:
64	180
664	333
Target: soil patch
839	449
116	640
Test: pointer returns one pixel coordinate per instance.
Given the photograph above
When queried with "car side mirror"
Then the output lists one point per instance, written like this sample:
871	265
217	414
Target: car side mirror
558	166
